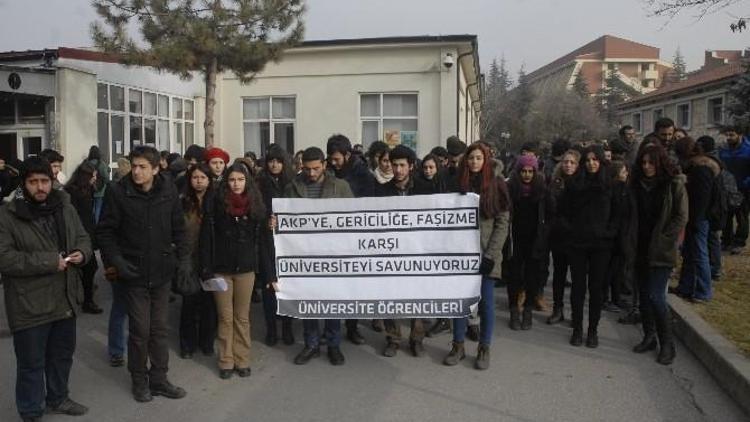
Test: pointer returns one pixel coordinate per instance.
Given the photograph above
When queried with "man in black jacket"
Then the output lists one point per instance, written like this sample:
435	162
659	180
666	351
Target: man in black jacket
362	183
141	234
404	184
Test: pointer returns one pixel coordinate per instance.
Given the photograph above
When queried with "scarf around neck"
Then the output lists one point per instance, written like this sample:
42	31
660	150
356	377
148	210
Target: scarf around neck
237	204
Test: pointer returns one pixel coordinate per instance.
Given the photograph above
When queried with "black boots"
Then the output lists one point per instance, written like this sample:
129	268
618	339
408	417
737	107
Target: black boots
526	322
557	316
515	320
592	338
667	354
667	351
647	344
483	357
576	339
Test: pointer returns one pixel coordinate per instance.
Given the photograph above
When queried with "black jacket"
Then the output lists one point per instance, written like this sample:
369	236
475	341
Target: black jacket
147	229
587	212
360	179
416	186
84	204
270	188
230	245
530	228
701	172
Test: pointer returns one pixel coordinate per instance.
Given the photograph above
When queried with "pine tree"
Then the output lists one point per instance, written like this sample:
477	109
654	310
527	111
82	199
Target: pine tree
678	65
210	37
520	106
614	93
506	81
738	102
493	76
580	86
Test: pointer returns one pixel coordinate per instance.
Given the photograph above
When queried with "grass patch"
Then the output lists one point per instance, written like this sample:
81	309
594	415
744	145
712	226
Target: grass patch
729	310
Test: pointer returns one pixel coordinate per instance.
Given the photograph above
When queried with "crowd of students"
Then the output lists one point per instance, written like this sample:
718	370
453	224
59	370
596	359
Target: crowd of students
613	215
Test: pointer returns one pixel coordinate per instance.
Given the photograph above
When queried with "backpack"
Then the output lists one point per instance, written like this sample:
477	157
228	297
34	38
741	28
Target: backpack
724	198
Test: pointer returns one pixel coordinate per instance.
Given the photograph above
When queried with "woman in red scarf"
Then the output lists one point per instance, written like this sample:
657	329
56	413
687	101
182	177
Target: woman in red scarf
229	245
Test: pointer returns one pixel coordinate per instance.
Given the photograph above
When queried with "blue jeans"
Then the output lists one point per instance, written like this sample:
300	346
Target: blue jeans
118	314
714	252
486	315
311	330
654	291
98	203
44	352
695	279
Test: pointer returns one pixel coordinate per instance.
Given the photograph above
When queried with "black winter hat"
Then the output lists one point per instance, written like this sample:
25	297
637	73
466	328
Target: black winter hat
36	165
559	146
455	146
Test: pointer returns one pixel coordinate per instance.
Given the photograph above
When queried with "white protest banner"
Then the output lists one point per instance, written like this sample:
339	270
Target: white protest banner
387	257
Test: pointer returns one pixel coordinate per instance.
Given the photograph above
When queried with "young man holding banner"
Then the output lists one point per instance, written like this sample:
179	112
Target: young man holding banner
314	183
403	184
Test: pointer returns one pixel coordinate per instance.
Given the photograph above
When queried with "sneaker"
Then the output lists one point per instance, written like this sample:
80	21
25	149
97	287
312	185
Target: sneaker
306	354
225	374
68	407
243	372
335	356
168	390
116	361
735	250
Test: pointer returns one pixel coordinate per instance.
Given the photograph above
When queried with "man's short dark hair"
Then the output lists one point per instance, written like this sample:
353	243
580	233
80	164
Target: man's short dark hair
559	146
731	128
663	123
313	154
52	156
707	143
146	152
36	165
624	129
455	146
339	143
440	152
530	146
401	152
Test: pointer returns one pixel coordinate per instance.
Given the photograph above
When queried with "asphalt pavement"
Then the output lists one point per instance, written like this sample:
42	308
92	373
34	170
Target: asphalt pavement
534	376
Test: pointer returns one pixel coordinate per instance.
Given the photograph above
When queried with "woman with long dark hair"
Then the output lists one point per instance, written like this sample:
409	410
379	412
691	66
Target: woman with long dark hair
529	237
82	187
475	174
567	167
229	244
198	313
662	208
589	213
276	174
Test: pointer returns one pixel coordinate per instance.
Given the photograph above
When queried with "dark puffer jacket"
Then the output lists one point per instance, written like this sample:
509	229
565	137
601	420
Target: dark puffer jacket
36	293
147	229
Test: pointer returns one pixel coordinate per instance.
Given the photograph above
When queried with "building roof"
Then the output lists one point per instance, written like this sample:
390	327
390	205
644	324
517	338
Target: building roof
420	39
694	80
605	47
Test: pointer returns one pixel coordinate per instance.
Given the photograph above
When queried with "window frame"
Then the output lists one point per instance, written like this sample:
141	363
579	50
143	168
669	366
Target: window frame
639	128
270	120
709	111
678	115
379	119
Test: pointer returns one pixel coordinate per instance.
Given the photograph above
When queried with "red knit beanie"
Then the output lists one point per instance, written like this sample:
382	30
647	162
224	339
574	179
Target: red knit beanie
216	153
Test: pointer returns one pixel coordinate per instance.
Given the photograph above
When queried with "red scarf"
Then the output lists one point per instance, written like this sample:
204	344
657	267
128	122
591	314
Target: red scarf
237	204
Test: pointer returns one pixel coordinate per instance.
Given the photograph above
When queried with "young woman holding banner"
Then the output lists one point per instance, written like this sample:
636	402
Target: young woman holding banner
475	174
230	244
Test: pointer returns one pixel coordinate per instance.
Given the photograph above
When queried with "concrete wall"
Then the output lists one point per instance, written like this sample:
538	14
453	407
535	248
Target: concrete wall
75	115
327	84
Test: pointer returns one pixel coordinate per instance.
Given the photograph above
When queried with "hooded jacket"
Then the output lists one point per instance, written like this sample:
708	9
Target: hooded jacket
36	293
701	172
737	161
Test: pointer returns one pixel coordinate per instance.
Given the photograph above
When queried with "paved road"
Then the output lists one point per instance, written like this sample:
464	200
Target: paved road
534	376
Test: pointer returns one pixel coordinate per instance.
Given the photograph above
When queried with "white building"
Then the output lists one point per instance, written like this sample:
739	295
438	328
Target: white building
411	90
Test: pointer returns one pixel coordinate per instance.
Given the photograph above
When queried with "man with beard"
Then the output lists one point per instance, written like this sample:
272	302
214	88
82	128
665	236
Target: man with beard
362	183
43	246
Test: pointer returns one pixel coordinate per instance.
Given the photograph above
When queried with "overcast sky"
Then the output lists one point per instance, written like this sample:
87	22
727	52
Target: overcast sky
530	32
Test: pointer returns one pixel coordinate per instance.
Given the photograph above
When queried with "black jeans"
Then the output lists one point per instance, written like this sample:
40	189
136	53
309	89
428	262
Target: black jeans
614	279
525	270
43	353
588	267
198	322
148	329
87	280
738	237
560	264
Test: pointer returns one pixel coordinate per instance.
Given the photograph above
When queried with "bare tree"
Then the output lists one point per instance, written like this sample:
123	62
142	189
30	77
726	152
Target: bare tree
670	9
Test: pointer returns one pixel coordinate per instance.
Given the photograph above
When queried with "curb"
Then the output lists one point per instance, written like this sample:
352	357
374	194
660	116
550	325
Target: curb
722	358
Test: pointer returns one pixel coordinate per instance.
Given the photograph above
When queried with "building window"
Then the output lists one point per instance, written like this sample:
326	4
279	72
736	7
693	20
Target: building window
266	120
637	123
683	115
389	117
715	111
145	121
657	114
